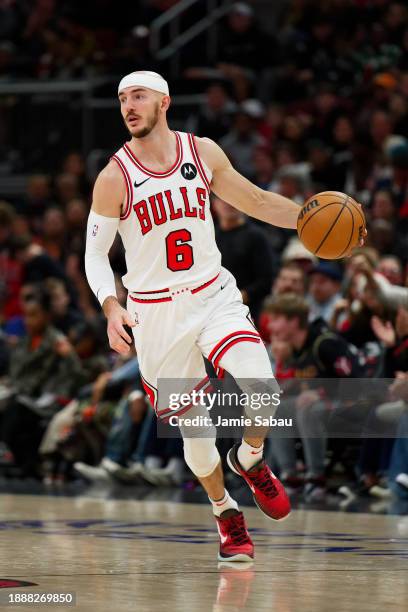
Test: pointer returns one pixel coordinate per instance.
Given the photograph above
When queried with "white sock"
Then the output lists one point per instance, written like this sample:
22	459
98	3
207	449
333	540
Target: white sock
249	455
226	503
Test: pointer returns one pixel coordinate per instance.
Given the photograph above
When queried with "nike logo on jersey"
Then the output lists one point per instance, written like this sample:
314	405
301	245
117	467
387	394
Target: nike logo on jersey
138	184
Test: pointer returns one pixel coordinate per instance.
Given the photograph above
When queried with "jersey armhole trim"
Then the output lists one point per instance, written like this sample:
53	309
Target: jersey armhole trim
198	162
129	189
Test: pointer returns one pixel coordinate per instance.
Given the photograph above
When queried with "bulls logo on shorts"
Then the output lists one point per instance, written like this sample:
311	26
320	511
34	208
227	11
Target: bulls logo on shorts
189	171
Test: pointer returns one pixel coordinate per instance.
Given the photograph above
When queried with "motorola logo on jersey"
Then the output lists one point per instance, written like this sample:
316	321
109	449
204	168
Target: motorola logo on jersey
188	171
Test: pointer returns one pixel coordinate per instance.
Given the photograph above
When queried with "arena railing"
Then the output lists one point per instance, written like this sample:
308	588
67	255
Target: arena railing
63	115
215	10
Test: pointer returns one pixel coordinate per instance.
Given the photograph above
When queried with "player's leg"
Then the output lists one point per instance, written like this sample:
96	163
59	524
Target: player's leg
162	355
202	457
249	364
231	342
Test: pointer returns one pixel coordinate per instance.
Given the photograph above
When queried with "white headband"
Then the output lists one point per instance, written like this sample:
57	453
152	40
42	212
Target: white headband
144	78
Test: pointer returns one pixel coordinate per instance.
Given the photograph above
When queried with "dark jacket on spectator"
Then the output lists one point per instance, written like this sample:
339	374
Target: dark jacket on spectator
325	354
246	254
41	370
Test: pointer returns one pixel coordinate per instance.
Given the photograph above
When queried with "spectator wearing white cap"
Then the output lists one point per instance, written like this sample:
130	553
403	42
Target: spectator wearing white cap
295	251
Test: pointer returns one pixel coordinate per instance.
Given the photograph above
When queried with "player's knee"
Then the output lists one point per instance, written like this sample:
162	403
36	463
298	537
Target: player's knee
247	360
201	455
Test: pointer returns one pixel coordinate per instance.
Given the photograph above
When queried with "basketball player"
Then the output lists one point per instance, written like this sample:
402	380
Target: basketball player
182	305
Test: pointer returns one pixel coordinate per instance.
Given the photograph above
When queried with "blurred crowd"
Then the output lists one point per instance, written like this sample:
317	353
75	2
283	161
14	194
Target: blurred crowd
322	104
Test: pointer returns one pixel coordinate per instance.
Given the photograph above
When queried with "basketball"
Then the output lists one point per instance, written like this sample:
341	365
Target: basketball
330	224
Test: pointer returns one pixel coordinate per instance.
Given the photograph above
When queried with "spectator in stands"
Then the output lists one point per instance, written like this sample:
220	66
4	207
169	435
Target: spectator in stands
242	141
37	200
264	167
383	206
63	315
317	353
296	252
243	47
134	453
391	268
36	264
44	369
76	216
289	183
245	253
398	471
291	278
11	271
214	118
74	164
67	188
338	74
53	234
324	290
395	179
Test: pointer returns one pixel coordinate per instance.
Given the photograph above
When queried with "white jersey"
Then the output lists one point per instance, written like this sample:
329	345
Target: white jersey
166	225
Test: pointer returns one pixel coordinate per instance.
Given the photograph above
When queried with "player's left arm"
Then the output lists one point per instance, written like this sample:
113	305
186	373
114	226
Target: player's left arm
235	189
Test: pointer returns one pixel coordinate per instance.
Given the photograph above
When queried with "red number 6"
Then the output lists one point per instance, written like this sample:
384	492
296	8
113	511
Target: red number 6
179	252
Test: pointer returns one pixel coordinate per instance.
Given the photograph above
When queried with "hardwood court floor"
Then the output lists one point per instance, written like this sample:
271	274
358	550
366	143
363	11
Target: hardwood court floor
153	556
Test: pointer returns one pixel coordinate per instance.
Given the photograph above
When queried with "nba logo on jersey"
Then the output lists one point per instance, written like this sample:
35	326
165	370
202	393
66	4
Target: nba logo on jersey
95	229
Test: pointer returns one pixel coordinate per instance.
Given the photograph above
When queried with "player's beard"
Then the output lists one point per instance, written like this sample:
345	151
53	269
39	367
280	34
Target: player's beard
151	122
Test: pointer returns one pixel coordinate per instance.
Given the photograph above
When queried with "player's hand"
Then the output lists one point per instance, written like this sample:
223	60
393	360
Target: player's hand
363	237
361	242
119	340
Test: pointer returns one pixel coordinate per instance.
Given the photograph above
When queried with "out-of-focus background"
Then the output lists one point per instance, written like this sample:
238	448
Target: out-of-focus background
304	96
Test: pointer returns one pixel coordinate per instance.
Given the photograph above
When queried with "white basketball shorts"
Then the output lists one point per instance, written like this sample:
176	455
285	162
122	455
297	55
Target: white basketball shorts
176	328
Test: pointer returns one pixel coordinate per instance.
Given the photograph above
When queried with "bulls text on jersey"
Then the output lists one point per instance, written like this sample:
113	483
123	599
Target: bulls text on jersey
167	206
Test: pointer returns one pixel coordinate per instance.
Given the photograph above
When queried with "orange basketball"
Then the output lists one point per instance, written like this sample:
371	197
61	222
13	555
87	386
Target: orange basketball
330	224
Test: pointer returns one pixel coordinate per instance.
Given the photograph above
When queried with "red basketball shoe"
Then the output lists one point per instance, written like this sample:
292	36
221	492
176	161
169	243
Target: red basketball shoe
268	492
235	542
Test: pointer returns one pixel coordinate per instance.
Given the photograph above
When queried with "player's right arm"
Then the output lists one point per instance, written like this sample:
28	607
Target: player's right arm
103	222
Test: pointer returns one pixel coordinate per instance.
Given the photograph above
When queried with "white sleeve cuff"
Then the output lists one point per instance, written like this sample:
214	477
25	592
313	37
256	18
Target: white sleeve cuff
101	232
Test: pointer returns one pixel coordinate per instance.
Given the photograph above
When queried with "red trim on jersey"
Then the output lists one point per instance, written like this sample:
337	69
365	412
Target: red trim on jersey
201	287
198	162
230	344
153	301
204	384
151	392
145	170
167	298
129	188
148	292
226	343
220	372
